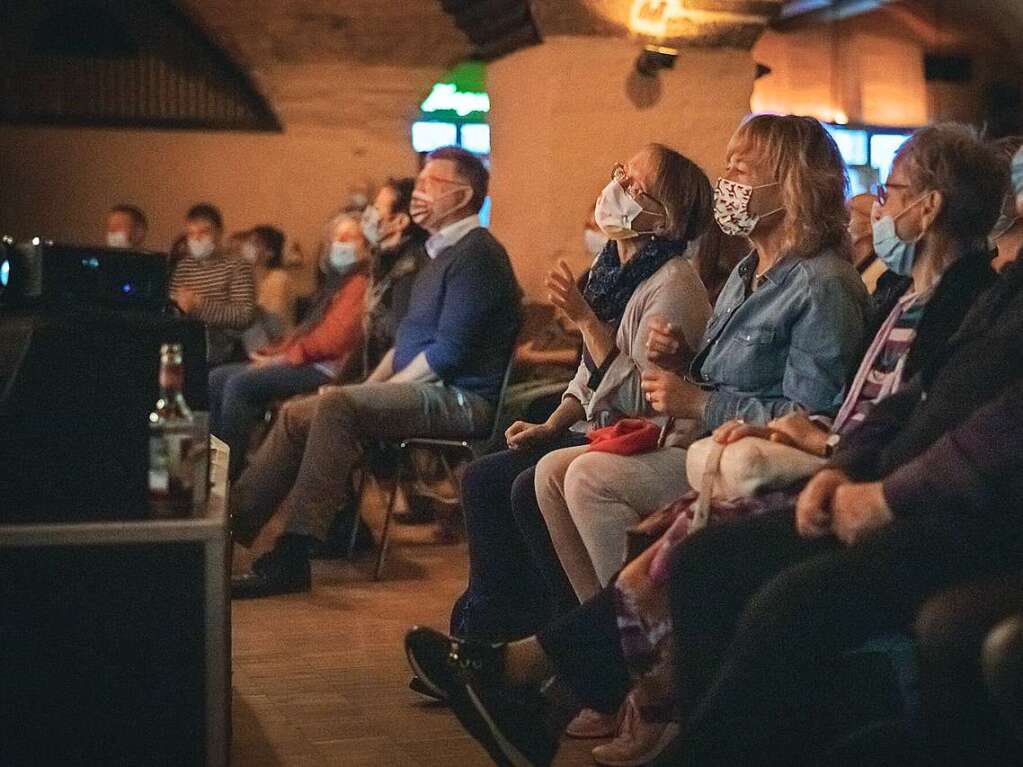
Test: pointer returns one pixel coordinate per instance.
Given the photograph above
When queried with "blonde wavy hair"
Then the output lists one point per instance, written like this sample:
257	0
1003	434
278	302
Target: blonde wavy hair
809	169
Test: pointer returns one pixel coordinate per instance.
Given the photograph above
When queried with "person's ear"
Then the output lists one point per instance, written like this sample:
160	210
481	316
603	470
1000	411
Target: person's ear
930	208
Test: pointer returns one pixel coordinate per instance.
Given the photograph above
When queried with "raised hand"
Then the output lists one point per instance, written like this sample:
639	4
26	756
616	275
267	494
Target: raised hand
564	293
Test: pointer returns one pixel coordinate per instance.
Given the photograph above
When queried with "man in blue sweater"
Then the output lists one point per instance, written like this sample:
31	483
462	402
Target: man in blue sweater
441	379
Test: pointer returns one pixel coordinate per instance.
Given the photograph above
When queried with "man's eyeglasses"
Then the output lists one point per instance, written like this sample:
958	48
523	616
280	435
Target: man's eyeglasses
881	191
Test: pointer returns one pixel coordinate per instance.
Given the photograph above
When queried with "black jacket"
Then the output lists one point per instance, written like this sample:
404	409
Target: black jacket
939	450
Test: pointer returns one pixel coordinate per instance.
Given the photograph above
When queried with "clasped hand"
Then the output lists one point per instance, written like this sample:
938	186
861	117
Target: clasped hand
832	503
666	347
670	395
794	430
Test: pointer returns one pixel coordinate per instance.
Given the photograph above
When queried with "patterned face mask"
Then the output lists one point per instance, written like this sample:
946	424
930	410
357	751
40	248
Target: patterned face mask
731	207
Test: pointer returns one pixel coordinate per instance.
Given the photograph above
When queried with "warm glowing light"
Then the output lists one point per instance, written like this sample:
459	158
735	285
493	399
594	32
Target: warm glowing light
654	18
840	118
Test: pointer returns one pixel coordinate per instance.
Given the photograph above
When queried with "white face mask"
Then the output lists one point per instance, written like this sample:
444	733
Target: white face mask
342	255
731	207
117	240
202	248
424	208
616	211
594	242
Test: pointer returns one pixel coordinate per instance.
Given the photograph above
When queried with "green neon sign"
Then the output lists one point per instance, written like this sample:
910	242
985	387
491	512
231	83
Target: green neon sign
461	95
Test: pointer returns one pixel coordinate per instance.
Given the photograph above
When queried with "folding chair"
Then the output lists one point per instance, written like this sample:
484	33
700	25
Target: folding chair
469	448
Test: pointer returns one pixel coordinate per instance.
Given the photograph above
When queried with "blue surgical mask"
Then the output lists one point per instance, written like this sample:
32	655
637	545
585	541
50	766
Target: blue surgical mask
897	254
342	255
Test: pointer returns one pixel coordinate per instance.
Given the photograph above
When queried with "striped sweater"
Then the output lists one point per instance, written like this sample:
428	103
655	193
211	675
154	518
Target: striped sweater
880	373
228	294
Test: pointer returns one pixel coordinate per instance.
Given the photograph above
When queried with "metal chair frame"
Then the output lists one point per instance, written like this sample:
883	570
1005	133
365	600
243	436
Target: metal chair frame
470	448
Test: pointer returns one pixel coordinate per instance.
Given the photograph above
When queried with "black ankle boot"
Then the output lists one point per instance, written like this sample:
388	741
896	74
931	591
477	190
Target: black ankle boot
283	570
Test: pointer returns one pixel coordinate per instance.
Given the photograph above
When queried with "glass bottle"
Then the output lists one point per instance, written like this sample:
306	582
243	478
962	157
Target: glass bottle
171	437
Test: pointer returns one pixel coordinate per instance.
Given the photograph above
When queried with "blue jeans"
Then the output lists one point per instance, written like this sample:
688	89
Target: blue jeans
240	394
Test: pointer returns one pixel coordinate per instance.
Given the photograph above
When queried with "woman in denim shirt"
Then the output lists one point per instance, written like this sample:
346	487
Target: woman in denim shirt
786	334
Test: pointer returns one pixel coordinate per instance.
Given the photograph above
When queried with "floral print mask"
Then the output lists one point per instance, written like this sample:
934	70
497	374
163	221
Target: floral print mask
731	207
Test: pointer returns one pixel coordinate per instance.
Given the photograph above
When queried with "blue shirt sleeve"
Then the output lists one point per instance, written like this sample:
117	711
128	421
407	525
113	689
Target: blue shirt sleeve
823	350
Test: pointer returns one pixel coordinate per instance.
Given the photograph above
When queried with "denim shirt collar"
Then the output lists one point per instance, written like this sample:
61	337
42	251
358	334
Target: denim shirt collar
776	275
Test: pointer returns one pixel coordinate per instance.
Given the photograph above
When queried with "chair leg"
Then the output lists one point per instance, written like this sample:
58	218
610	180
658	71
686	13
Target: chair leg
385	536
360	488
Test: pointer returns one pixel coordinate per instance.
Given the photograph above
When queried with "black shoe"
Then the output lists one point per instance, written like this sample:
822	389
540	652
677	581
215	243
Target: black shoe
438	660
513	725
418	685
284	570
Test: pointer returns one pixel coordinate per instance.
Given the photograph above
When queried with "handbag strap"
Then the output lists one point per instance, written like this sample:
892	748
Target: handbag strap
711	471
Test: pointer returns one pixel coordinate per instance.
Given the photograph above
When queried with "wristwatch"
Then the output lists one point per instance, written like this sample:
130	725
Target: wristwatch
830	444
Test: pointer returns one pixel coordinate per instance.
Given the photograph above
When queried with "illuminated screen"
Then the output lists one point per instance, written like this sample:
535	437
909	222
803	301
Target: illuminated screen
476	138
5	272
852	143
883	147
427	136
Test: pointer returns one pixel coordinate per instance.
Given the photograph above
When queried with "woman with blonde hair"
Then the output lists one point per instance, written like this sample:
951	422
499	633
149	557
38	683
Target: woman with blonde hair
785	336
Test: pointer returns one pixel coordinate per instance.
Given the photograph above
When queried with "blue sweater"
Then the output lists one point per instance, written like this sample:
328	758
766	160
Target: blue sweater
464	313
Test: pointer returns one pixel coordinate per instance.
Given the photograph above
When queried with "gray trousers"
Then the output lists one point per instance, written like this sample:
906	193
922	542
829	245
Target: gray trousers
306	461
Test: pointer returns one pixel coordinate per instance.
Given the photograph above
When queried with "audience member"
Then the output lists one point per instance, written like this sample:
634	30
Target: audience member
126	227
311	356
441	378
211	287
398	255
650	209
263	248
920	497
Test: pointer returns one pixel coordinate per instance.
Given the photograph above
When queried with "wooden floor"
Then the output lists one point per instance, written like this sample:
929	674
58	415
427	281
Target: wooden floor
321	679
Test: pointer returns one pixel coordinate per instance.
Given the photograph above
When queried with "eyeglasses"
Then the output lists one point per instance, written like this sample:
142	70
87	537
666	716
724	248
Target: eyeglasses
621	176
881	191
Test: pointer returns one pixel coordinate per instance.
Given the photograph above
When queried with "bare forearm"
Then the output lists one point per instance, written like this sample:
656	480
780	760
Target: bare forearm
384	370
570	411
598	338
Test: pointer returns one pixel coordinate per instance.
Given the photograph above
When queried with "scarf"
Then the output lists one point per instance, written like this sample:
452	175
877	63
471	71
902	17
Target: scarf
611	284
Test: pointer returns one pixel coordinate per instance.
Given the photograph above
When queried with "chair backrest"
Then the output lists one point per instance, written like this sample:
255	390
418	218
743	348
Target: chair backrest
499	407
